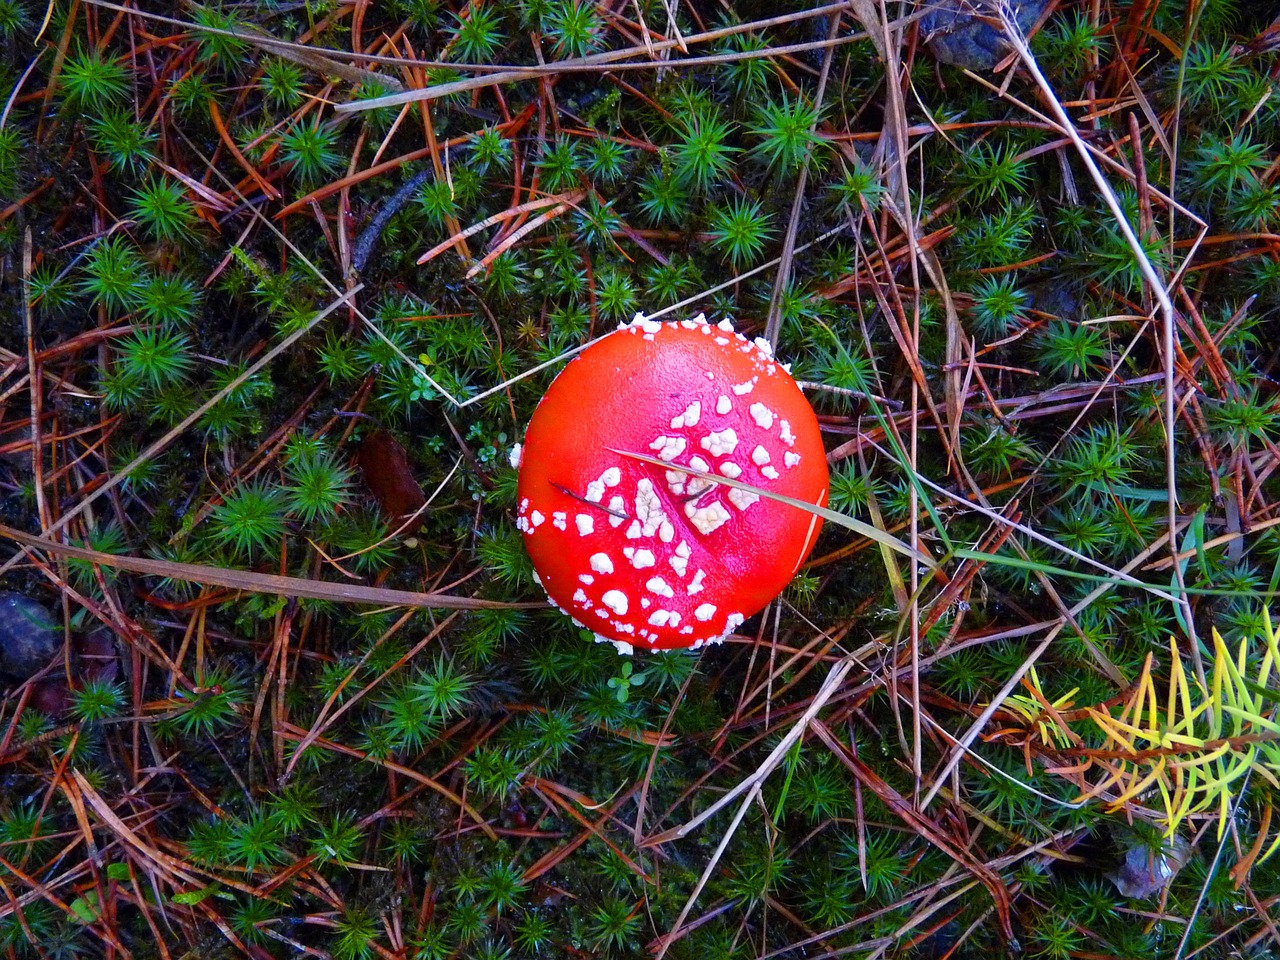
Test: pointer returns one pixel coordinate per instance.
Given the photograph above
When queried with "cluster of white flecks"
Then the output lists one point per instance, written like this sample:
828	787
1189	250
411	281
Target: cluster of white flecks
705	437
719	447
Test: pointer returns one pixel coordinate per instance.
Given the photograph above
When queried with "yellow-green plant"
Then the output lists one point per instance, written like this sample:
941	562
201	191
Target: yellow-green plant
1042	715
1197	748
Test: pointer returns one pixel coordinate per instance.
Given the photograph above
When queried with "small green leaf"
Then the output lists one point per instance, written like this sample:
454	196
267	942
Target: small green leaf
1197	529
1126	492
118	871
1264	693
87	908
191	897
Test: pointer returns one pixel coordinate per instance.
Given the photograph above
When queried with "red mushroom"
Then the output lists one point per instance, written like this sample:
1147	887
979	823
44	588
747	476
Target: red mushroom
653	557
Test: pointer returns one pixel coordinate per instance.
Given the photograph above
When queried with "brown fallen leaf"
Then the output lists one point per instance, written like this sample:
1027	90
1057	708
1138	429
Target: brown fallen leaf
384	465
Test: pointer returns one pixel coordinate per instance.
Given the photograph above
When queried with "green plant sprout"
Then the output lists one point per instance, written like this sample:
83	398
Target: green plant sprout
621	684
93	81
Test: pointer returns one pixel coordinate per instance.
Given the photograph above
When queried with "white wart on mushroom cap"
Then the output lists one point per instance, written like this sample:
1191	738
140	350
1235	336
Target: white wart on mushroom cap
656	557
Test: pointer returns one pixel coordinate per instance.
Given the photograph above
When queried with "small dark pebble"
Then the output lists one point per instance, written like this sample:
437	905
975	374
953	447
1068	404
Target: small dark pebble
1145	872
29	636
956	36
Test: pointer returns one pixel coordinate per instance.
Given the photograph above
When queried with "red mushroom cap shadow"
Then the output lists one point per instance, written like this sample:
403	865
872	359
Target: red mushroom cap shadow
656	557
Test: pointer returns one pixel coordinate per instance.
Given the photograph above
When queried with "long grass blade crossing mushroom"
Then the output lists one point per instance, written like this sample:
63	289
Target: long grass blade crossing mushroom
658	558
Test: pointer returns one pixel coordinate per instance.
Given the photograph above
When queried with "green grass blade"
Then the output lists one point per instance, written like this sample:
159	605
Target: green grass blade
830	516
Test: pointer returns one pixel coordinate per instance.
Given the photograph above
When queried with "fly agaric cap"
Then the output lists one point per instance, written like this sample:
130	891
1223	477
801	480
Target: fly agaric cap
654	556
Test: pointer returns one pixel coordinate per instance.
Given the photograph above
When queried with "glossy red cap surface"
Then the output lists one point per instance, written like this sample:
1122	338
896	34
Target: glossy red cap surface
651	556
